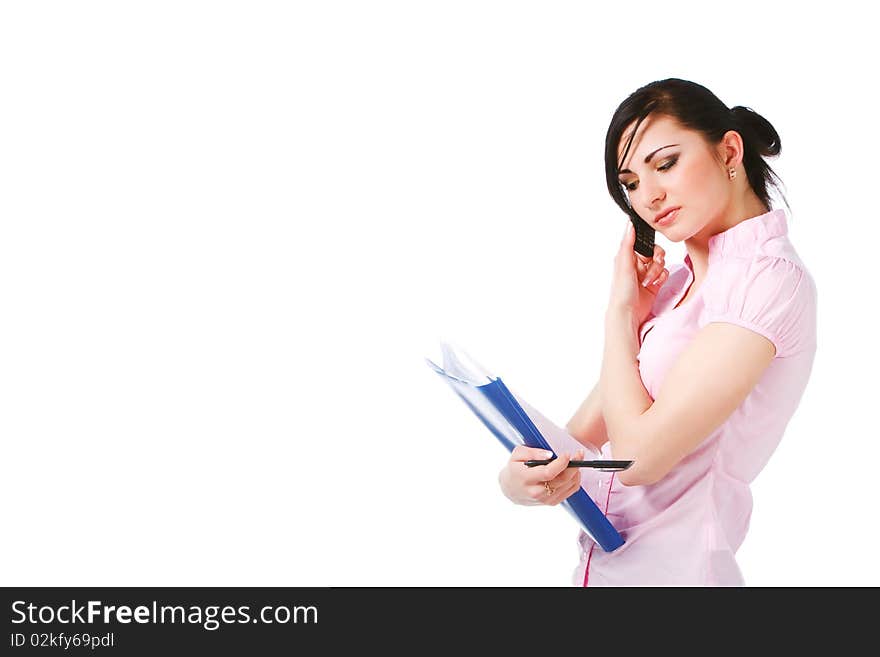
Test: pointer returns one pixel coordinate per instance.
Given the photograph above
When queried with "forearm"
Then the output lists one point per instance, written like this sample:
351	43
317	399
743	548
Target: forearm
624	398
587	425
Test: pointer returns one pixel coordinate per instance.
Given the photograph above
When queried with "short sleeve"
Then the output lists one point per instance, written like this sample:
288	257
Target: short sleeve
769	295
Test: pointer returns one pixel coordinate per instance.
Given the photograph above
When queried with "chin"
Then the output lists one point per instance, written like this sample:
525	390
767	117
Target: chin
672	234
676	233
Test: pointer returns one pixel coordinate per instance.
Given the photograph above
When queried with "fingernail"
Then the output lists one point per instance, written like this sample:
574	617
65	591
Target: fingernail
548	455
646	282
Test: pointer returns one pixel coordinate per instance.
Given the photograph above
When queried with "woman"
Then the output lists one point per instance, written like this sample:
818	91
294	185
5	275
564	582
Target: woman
704	364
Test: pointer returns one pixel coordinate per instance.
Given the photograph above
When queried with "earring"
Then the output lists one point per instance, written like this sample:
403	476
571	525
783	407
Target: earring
731	172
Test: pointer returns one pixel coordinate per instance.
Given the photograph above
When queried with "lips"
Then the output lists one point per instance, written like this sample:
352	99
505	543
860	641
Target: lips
668	218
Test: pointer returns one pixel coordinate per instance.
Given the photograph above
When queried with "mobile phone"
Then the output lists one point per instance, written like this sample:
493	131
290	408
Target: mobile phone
644	244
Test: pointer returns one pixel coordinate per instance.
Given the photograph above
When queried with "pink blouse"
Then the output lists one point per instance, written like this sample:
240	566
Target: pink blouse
685	529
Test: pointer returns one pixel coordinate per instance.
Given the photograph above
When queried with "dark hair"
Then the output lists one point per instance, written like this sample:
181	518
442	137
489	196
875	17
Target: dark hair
696	108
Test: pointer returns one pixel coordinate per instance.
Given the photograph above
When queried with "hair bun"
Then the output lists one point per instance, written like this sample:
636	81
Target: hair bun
765	137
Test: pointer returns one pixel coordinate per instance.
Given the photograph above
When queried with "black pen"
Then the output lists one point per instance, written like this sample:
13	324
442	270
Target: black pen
603	464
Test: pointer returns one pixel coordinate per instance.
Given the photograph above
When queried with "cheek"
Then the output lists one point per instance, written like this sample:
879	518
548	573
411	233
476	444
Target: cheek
694	178
696	186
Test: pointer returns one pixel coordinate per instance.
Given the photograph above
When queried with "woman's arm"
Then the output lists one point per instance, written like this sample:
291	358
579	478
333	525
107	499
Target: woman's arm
621	384
709	380
587	425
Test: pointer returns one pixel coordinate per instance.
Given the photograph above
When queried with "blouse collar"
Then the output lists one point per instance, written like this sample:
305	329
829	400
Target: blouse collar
742	238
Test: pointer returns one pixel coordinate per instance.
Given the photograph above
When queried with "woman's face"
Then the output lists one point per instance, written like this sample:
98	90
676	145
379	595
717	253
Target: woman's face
681	173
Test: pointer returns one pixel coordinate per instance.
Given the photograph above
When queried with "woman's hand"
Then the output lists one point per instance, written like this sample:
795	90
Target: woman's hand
631	272
525	485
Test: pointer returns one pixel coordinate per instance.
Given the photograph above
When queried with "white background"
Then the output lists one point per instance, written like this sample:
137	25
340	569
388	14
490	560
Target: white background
232	231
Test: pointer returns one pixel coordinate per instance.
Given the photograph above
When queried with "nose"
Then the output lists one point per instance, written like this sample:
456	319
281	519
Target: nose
653	194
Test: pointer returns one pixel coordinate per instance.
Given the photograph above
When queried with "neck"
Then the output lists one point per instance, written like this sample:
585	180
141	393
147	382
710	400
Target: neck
698	244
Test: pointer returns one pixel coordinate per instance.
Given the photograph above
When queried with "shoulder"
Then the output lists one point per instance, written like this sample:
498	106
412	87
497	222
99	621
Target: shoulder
770	292
764	272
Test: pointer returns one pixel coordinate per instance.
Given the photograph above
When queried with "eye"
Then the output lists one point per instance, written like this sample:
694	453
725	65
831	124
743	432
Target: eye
631	186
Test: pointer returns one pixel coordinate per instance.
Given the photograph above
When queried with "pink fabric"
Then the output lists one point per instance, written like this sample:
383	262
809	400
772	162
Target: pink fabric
685	529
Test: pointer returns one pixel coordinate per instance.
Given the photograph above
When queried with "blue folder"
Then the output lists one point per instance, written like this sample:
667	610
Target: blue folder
498	409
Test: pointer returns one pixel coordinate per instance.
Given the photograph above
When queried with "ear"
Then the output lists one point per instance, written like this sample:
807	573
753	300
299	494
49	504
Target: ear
731	150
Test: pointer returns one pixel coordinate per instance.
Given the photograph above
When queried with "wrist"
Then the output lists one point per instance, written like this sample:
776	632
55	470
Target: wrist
617	316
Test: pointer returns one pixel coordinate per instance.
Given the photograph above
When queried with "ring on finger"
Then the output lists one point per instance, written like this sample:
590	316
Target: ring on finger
549	488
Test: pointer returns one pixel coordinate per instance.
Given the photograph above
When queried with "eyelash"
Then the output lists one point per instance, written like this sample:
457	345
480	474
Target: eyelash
665	167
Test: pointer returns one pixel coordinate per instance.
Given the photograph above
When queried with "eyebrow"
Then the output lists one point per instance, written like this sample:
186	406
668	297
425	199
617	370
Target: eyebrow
647	159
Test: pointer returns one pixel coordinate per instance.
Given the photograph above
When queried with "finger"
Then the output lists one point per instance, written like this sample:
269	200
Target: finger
542	473
566	479
537	493
578	456
523	453
565	484
661	279
569	475
556	467
652	273
643	261
564	476
629	237
560	494
658	257
653	266
571	491
659	253
575	481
